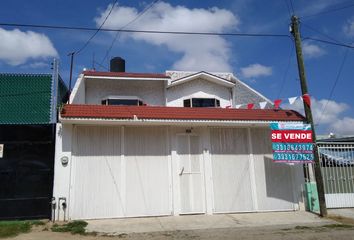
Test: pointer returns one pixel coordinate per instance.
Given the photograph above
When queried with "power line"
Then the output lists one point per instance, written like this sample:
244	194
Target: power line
287	6
145	31
321	33
292	6
329	11
287	70
101	66
100	27
334	85
118	33
329	42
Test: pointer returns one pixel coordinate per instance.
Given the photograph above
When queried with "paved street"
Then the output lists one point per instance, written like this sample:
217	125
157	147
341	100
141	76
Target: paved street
200	222
263	233
274	225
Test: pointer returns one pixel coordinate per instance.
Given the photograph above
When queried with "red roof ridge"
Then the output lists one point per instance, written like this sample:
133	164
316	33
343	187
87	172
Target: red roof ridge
124	74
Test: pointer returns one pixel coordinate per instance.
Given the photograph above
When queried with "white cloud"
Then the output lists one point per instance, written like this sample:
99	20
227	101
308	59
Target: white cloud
331	116
256	70
314	7
210	53
344	126
311	50
17	47
331	113
38	65
348	28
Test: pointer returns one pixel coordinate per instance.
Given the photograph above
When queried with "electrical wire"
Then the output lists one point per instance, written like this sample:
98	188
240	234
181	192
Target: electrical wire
321	33
292	6
287	6
329	11
126	25
100	27
291	53
334	86
101	66
329	42
146	31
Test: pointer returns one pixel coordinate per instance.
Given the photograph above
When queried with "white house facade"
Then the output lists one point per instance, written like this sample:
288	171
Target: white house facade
131	145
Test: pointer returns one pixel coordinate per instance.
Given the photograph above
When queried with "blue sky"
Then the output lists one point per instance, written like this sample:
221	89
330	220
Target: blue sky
260	62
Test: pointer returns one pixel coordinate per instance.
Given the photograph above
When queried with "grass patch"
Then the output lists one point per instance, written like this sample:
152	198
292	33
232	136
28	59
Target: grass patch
338	226
14	228
74	227
286	229
301	227
37	223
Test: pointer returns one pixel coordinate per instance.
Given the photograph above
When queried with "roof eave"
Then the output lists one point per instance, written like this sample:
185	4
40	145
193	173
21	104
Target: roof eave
168	122
127	78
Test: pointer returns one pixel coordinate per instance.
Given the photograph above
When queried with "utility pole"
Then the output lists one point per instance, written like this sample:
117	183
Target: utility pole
300	63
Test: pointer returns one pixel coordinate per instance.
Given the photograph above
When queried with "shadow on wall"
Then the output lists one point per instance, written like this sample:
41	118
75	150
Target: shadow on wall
278	180
277	176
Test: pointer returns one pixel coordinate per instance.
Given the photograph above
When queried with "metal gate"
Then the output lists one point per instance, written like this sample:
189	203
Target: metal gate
26	171
337	166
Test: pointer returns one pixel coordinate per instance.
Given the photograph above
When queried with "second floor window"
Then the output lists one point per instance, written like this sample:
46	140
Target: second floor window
201	102
122	101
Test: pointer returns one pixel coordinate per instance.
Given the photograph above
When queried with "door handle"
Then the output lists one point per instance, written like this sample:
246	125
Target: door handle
181	171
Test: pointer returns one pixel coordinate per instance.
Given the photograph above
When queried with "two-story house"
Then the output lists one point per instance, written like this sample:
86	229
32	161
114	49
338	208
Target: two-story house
136	144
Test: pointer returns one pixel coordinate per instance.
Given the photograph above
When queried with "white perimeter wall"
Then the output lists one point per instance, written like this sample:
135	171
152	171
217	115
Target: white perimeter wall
151	92
198	88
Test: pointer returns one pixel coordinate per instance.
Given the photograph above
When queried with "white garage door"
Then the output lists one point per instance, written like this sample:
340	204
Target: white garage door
231	170
97	166
274	181
119	172
147	172
232	184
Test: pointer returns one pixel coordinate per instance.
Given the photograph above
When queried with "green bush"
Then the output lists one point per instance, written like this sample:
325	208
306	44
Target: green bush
74	227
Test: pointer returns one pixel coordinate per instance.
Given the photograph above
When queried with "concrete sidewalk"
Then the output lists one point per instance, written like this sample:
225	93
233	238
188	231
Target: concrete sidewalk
343	212
194	222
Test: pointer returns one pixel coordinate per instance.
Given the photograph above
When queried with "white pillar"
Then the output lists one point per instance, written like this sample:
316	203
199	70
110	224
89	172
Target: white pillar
174	172
208	176
252	172
62	172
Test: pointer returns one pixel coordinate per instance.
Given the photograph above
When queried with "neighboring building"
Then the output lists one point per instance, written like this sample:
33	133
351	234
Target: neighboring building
134	144
28	115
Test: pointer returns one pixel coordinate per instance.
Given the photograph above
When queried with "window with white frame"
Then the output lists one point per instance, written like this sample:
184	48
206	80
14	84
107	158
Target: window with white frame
122	100
201	102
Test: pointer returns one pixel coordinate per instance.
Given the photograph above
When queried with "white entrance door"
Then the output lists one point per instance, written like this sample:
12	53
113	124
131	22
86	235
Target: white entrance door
190	174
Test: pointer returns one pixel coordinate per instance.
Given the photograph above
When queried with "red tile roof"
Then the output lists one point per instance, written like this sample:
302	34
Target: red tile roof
177	113
125	74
